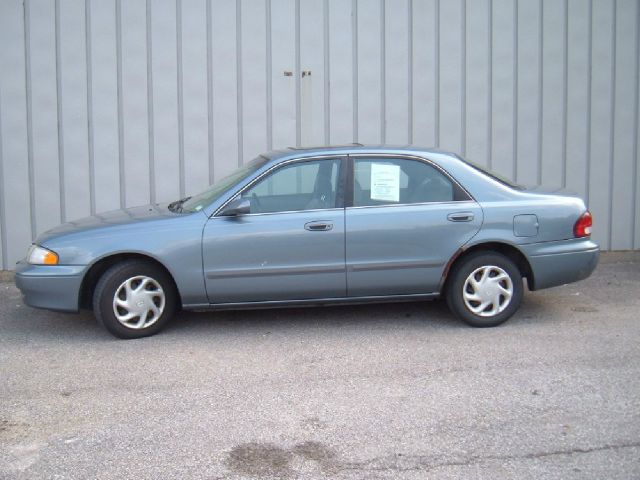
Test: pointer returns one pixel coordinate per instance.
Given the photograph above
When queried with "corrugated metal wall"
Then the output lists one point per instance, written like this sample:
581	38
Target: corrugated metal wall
111	103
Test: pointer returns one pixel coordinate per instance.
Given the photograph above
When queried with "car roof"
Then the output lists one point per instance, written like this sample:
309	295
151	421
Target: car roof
295	152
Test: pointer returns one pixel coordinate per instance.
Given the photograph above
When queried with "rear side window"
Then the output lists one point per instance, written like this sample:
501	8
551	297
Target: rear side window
393	181
490	173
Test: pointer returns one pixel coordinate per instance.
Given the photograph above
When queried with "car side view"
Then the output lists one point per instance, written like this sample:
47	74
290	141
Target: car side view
318	226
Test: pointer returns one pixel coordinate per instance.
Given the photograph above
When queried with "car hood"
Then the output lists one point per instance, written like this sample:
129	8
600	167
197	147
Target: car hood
107	219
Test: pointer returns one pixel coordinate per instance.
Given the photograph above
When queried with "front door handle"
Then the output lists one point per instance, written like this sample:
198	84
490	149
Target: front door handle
460	217
319	226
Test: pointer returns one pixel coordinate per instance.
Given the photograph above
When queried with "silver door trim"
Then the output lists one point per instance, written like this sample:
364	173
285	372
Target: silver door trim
335	209
395	205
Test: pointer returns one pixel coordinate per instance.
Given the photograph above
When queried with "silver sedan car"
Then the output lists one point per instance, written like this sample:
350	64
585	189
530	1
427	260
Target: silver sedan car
318	226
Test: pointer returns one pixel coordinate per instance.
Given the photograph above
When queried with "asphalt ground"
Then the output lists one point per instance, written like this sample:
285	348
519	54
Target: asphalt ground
362	392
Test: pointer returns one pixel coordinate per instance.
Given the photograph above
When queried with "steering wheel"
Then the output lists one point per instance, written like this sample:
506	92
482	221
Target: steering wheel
255	201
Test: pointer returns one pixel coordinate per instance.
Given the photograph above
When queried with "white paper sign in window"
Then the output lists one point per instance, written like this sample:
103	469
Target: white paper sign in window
385	182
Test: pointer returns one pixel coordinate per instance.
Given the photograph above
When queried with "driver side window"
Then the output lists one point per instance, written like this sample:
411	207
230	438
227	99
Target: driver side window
308	185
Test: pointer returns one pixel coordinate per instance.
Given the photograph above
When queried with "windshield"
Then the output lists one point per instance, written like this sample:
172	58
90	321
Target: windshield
492	174
201	200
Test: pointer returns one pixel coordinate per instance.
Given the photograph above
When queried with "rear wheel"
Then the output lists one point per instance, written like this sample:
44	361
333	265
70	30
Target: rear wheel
485	289
134	299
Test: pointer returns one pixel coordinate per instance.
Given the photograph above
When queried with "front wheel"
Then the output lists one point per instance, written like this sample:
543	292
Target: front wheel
485	289
134	299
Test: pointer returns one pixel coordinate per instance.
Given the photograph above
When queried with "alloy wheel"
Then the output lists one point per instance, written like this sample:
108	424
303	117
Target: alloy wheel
139	302
487	291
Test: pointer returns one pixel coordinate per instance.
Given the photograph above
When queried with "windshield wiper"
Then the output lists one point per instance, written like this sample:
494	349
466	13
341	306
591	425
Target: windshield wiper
176	206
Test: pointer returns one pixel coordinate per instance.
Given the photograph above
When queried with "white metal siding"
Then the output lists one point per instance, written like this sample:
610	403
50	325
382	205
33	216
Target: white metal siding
113	103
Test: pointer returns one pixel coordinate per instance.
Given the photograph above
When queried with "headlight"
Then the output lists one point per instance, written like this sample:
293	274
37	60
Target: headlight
41	256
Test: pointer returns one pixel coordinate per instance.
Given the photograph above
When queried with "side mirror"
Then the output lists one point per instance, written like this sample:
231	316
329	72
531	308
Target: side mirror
237	206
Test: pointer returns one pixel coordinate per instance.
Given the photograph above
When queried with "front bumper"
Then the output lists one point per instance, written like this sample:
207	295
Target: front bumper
557	263
54	287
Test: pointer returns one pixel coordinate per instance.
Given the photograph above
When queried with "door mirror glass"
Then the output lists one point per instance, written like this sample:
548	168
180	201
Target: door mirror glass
237	206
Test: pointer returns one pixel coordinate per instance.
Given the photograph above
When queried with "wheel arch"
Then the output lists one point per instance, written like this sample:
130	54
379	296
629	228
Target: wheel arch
510	251
100	266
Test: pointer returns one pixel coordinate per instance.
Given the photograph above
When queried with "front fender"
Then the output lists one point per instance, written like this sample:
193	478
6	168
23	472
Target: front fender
174	242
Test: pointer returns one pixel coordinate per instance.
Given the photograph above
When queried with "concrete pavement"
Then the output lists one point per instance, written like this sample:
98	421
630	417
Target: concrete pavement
361	392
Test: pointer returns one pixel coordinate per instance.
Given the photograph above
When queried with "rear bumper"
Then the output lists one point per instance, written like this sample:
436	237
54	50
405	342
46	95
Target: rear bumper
53	287
557	263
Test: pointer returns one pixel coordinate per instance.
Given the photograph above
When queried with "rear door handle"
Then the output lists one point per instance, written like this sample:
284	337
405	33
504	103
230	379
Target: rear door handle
319	226
460	217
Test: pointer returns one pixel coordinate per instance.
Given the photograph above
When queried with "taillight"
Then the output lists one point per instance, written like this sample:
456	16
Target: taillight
582	228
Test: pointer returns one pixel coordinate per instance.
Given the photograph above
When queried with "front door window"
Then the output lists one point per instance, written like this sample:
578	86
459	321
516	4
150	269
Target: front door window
310	185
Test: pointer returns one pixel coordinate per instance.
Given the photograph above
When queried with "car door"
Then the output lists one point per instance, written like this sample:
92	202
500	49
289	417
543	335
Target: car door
405	220
290	246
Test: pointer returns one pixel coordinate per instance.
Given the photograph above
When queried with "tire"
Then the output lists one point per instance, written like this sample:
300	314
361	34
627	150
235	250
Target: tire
134	299
472	285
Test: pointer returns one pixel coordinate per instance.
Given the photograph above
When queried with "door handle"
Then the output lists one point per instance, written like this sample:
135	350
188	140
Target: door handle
319	226
460	217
